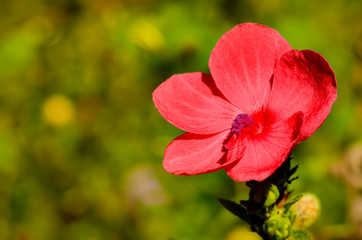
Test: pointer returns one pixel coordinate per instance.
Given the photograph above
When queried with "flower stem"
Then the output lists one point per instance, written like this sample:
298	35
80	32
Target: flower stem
268	209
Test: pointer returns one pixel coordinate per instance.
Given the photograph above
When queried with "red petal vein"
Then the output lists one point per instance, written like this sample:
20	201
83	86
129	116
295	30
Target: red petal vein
192	103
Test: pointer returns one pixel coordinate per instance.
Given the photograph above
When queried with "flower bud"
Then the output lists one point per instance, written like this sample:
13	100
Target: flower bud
278	225
307	210
265	194
291	215
272	195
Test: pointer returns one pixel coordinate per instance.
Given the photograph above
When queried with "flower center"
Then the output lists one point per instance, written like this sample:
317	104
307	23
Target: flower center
241	121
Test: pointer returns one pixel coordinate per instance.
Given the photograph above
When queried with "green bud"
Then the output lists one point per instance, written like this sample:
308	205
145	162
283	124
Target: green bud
278	226
270	230
278	235
291	215
285	229
264	193
272	195
306	210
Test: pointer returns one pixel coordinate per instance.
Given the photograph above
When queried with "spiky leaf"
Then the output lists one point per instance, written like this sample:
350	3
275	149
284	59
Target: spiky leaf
293	200
235	209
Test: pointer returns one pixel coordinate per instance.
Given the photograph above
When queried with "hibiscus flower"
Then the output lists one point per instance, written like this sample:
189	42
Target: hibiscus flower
261	99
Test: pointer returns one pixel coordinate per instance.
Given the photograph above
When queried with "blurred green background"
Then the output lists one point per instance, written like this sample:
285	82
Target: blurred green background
81	144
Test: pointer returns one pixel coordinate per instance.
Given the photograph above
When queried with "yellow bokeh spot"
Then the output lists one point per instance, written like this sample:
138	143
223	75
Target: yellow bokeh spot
147	36
58	110
242	233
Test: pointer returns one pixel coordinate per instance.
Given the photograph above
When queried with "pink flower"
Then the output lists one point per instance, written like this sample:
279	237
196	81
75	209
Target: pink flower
261	99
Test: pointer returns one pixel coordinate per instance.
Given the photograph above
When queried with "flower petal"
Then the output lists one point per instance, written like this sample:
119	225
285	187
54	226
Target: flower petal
303	81
191	154
192	103
236	146
267	151
242	64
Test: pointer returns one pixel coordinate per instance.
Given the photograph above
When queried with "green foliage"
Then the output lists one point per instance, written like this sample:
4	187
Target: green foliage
295	199
236	209
268	209
300	235
94	169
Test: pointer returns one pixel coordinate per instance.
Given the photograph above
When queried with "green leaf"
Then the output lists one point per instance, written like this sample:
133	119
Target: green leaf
293	200
300	235
235	209
292	171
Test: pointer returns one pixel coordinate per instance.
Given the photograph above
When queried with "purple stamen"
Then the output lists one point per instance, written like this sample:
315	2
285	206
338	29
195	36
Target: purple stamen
241	121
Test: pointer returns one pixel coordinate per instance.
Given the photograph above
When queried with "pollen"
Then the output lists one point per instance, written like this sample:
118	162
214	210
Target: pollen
241	122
